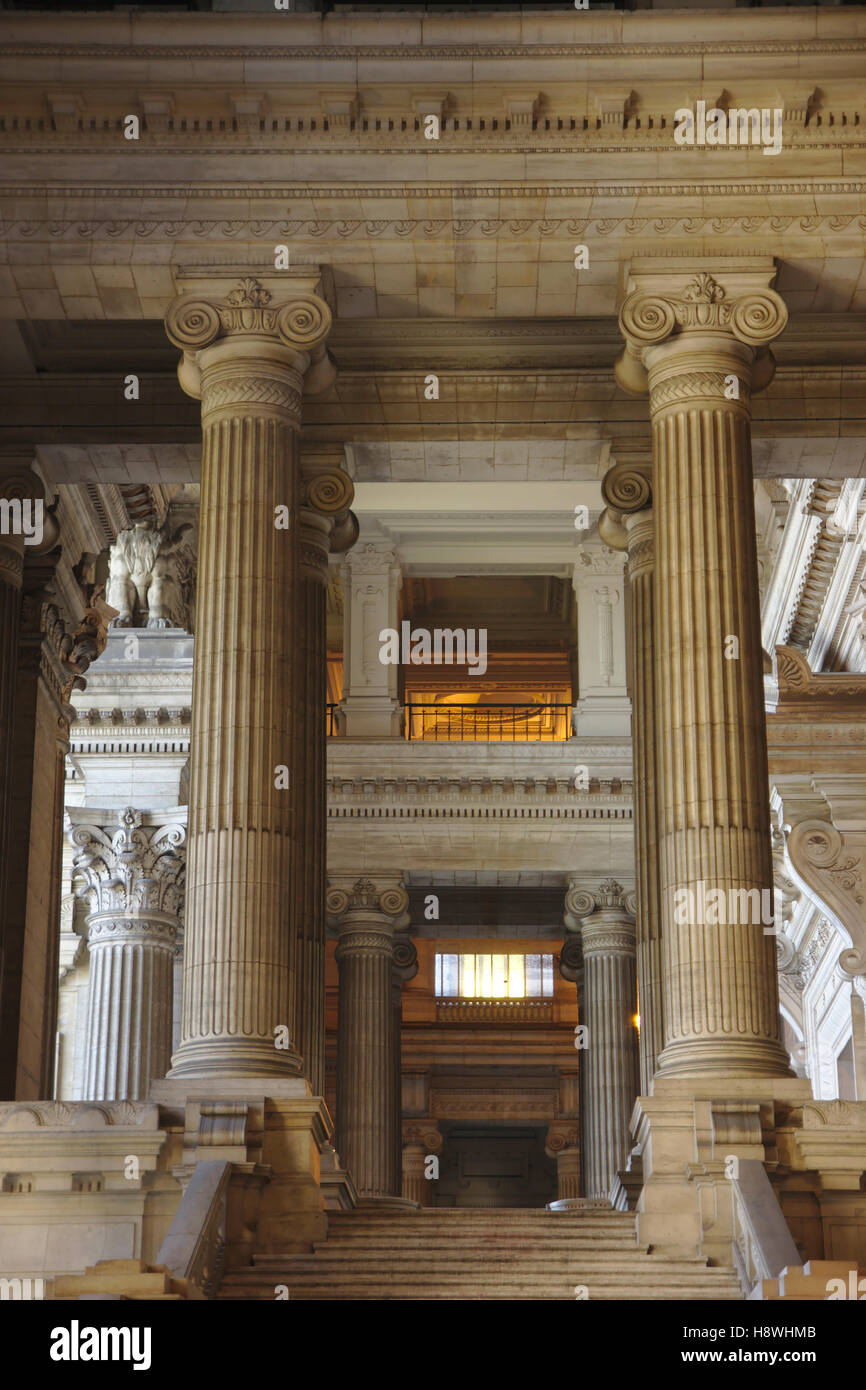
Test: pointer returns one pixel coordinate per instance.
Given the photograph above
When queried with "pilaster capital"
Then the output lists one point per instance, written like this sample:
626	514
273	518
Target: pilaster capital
250	346
700	309
360	905
132	872
422	1134
561	1137
327	493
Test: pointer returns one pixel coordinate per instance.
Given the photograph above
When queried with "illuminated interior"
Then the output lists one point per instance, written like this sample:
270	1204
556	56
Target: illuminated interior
494	976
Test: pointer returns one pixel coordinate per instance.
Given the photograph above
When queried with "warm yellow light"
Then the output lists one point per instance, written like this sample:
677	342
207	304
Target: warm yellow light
636	1021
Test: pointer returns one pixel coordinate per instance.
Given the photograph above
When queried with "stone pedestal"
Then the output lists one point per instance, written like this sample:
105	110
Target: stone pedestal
366	915
608	939
245	356
131	869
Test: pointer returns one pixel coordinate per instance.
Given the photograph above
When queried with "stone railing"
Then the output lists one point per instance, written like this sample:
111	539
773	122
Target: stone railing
195	1246
494	1011
763	1246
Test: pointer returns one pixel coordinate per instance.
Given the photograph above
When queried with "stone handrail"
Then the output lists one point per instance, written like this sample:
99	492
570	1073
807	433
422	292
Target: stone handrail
763	1245
195	1247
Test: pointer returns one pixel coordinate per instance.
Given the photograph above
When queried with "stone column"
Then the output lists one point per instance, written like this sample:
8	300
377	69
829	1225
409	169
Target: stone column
245	356
627	524
607	933
325	525
132	871
422	1141
366	915
699	344
603	707
370	707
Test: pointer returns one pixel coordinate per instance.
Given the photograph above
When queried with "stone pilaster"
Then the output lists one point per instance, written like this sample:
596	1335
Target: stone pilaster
627	524
132	873
370	707
698	342
404	967
603	706
607	932
562	1143
422	1141
366	915
325	526
245	356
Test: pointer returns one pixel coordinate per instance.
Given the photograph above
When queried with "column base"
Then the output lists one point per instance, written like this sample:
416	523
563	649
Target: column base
370	717
579	1204
252	1058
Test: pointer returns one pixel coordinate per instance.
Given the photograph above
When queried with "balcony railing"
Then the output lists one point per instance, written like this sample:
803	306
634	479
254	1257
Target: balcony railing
505	1011
488	723
477	723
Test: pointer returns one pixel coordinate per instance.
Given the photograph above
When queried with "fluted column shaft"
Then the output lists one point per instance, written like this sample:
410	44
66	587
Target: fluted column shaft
308	915
128	1008
326	494
628	525
366	1120
699	345
246	357
611	1058
640	532
133	875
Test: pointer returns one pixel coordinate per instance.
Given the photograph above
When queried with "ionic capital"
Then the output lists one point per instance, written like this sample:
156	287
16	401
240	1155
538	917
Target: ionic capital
627	490
250	348
360	907
605	918
404	956
714	320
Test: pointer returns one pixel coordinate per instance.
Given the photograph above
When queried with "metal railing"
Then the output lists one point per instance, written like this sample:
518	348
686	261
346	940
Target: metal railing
331	730
488	723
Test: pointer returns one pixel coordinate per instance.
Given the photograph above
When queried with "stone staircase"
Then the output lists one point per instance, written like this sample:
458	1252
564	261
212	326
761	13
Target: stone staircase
480	1253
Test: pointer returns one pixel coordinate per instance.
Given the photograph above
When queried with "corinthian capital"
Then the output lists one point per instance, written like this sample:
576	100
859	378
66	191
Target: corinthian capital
131	868
670	301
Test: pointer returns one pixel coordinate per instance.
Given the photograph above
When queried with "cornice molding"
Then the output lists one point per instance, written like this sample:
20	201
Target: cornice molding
798	682
402	229
843	46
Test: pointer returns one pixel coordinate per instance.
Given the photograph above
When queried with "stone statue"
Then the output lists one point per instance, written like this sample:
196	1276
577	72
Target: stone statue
150	576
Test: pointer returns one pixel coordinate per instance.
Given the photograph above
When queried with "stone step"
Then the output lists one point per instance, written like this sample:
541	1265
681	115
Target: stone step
625	1290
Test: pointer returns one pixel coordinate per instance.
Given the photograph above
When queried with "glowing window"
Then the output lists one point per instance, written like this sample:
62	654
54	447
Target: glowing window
494	976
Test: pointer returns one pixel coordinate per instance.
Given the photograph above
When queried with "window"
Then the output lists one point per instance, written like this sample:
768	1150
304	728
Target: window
514	976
